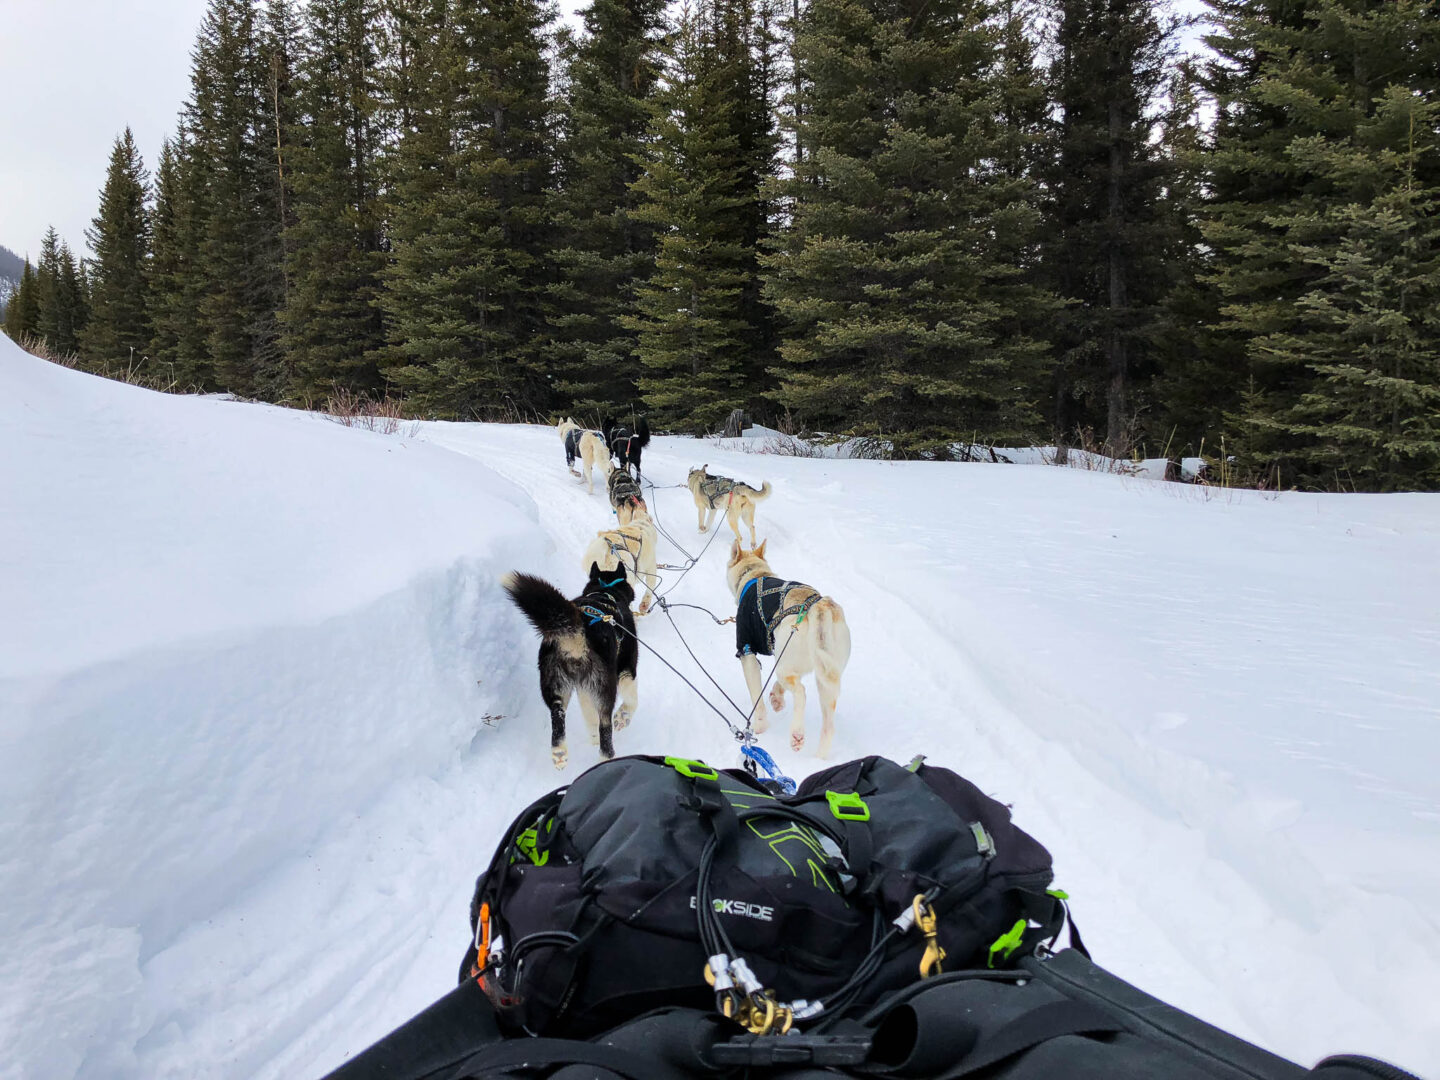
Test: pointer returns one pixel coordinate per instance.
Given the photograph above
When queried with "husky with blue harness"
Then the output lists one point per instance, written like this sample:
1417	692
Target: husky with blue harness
587	645
805	632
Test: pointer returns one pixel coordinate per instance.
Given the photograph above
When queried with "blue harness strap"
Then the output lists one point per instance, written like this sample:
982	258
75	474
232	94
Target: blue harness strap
762	758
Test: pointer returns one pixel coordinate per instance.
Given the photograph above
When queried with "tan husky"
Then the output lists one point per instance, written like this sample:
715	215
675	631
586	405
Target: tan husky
805	630
736	498
588	446
632	546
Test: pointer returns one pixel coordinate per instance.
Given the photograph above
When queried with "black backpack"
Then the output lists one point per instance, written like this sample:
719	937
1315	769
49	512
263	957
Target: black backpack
650	883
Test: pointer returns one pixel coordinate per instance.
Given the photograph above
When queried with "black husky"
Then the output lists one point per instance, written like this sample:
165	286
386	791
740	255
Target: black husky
583	649
626	445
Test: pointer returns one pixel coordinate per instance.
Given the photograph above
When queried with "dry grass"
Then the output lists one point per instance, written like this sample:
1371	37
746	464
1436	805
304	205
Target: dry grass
137	371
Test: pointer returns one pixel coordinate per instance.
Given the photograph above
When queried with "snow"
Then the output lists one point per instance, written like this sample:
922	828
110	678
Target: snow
263	710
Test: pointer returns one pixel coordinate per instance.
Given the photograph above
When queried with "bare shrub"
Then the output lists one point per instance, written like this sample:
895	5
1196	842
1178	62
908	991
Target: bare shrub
386	416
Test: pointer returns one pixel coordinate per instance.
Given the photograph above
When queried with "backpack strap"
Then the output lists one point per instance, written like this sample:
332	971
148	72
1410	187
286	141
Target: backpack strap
1052	1020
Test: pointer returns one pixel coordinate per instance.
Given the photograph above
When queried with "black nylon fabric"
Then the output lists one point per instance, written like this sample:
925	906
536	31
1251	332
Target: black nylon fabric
755	613
601	901
1057	1018
572	445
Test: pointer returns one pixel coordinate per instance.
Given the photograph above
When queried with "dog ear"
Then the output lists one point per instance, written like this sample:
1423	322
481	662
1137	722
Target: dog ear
594	571
760	551
735	551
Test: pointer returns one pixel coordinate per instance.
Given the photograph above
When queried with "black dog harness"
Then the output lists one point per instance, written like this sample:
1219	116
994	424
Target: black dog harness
602	606
620	440
572	443
759	613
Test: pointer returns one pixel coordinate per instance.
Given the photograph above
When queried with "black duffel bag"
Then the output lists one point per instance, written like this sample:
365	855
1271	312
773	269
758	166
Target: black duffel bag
652	882
1051	1017
883	921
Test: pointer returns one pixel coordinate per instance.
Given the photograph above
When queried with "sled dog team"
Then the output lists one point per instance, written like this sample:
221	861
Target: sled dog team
589	646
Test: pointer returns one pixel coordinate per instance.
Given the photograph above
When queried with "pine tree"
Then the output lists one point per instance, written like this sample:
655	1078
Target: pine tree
903	280
333	324
1318	175
118	332
232	121
690	314
1113	247
464	291
61	305
22	313
1368	328
602	251
47	288
179	348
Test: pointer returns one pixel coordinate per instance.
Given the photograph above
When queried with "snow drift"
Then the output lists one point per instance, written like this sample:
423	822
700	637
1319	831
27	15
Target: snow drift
263	710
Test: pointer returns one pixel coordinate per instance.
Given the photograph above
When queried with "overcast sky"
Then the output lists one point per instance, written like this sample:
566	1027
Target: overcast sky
76	73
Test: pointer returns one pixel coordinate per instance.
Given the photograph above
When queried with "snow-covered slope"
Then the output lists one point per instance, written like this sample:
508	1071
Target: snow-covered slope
263	710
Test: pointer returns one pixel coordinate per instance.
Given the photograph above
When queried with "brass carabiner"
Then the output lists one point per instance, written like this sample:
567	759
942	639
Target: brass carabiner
934	954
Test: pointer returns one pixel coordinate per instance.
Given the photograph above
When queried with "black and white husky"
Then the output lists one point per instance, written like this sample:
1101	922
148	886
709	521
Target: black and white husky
626	445
583	649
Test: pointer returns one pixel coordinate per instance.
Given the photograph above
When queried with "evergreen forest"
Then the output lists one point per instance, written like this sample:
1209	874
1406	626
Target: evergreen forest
938	224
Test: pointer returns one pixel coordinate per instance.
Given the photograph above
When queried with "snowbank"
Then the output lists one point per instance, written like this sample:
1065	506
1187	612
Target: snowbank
263	710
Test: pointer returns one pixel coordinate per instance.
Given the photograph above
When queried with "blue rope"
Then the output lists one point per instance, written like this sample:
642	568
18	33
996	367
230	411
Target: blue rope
762	758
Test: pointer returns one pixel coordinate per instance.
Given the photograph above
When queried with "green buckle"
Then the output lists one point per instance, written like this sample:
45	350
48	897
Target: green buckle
692	769
1008	942
847	806
1058	894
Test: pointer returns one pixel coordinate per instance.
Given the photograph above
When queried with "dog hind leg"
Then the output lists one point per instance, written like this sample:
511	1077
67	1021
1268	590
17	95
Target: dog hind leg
590	710
797	722
750	664
557	701
829	693
628	701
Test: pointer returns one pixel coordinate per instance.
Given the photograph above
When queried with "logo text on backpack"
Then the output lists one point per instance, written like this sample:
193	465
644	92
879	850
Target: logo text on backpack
762	912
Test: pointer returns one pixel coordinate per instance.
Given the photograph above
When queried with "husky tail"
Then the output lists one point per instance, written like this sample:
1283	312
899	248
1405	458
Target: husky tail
544	605
757	496
642	432
832	640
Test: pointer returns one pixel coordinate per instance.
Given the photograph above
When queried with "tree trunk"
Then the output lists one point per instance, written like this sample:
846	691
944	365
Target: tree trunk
1117	361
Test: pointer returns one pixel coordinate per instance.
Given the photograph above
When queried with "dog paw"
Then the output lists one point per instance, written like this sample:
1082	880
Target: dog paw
762	724
777	698
797	740
622	719
560	756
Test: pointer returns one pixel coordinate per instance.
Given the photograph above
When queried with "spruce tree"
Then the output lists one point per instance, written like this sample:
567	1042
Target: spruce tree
179	348
601	250
464	290
903	280
22	313
1368	328
690	314
60	302
232	123
1112	248
333	324
118	332
47	288
1318	178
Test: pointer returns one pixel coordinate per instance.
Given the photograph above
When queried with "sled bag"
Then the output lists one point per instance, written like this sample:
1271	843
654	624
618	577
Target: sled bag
587	914
1053	1016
